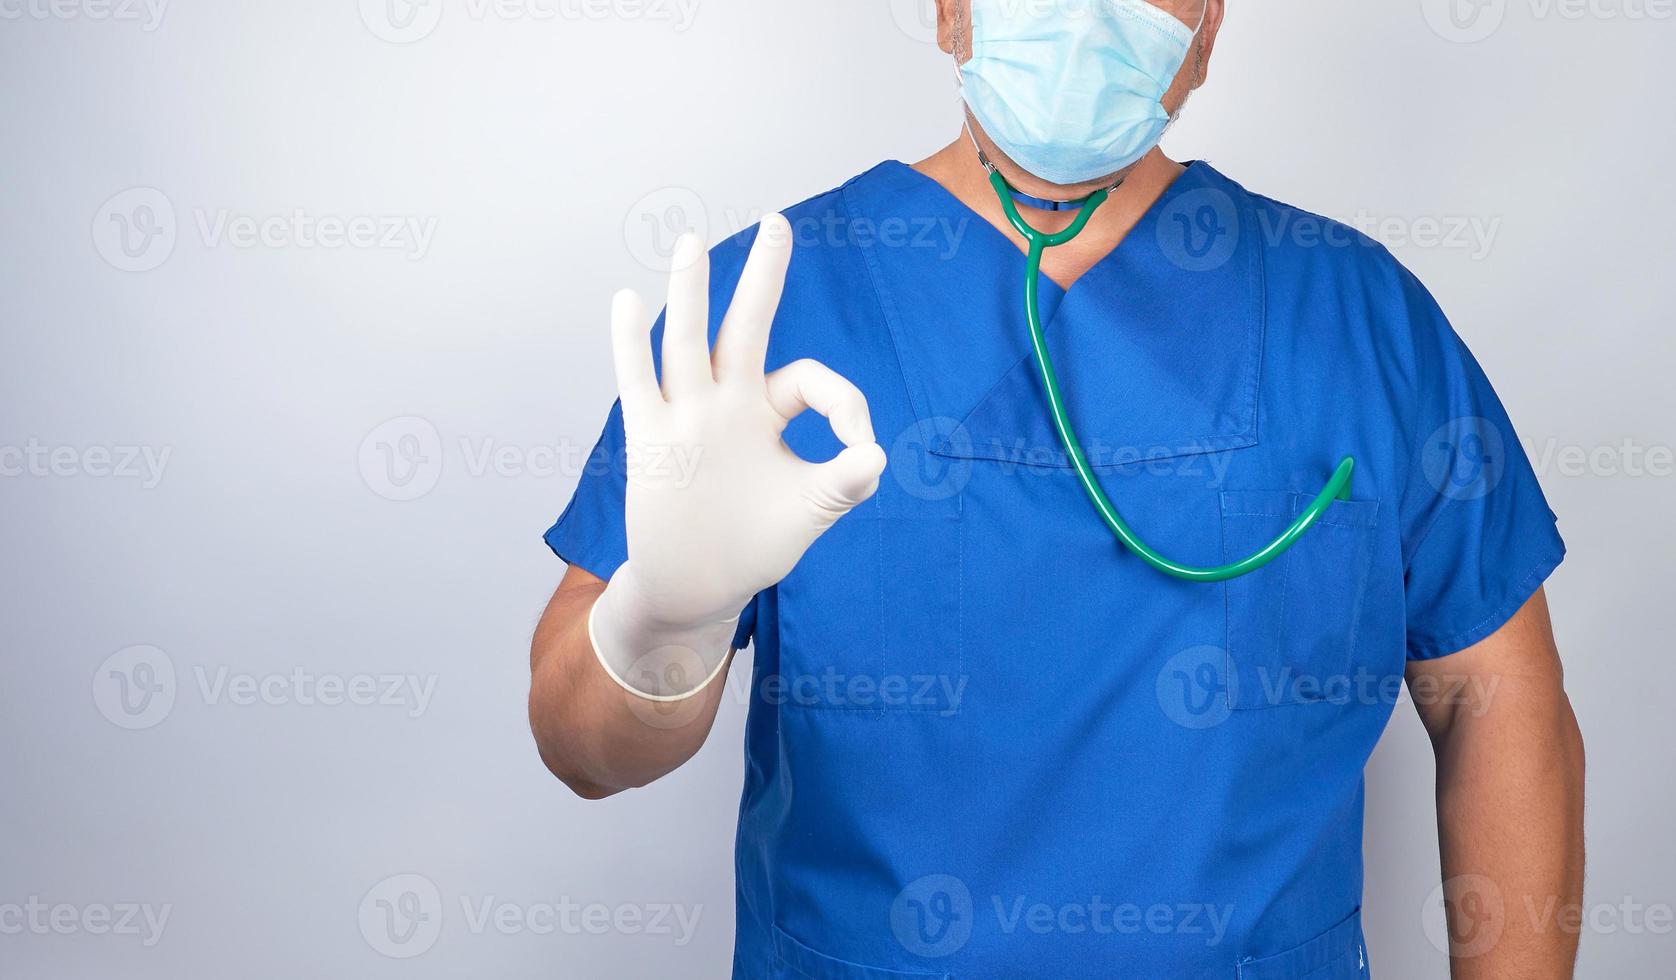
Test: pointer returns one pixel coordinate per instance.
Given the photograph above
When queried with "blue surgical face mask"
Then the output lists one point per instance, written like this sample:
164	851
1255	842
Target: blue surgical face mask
1072	90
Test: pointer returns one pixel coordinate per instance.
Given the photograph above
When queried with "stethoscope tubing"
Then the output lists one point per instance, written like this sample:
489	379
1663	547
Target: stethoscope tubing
1337	488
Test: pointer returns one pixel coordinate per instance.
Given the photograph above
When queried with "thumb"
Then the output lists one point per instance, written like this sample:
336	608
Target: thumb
850	478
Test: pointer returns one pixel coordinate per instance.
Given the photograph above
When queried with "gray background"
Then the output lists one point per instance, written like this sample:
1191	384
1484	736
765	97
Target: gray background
554	156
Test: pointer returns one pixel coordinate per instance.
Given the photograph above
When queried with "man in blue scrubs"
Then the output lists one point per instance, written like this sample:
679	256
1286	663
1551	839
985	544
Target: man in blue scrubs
985	741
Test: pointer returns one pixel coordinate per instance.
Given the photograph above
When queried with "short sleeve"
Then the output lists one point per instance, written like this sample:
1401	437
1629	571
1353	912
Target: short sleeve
1478	538
590	534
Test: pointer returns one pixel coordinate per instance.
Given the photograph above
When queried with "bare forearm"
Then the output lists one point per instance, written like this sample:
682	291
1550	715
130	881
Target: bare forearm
595	736
1510	802
1511	832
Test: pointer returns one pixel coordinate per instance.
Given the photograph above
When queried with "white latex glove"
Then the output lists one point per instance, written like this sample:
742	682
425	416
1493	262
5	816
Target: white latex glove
719	507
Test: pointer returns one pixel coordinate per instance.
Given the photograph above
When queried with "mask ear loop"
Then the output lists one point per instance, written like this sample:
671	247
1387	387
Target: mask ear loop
1193	48
1203	13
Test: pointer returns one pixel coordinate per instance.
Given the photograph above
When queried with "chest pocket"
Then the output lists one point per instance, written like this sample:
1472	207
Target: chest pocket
1293	624
870	620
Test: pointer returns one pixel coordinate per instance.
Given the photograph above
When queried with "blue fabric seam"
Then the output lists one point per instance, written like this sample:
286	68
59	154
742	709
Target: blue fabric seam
959	604
1319	522
1333	959
879	557
547	535
1196	446
1367	547
887	310
1437	649
1415	452
1260	286
796	946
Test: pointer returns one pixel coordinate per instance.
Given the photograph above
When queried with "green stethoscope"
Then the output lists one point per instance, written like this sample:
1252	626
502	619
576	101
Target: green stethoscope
1338	488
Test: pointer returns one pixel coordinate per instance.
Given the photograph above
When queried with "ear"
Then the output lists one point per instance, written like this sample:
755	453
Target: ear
1207	38
954	19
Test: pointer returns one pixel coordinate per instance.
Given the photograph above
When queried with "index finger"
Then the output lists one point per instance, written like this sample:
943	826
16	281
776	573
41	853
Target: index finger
809	384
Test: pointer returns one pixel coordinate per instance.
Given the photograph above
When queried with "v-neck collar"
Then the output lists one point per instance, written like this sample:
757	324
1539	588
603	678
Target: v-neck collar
1158	345
1147	220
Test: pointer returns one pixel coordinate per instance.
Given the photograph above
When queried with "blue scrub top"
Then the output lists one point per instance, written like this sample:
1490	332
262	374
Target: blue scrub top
986	742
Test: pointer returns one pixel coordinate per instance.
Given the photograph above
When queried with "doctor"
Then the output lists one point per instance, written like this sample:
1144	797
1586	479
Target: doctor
986	740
